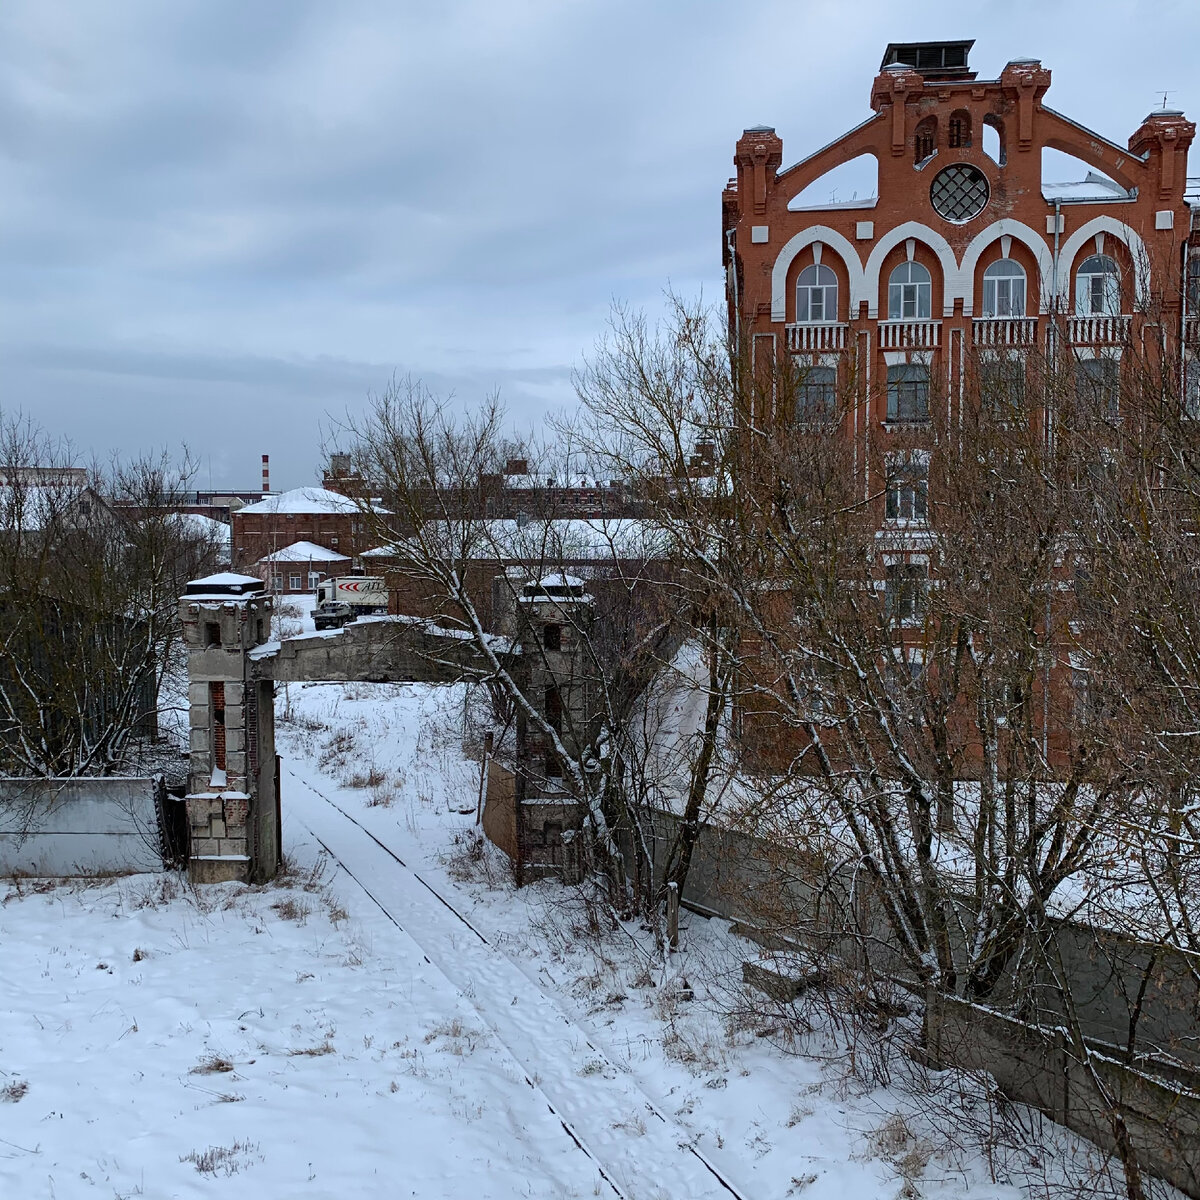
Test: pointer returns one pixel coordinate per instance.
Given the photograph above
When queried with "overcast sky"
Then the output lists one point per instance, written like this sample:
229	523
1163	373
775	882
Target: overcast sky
222	219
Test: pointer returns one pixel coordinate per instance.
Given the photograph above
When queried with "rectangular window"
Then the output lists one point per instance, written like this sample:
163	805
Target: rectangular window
295	582
216	709
909	301
277	583
908	393
904	593
1191	389
816	394
1002	387
1098	386
552	637
314	580
908	489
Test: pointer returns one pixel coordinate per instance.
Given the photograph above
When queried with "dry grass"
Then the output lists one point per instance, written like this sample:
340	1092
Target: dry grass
895	1141
473	859
366	779
318	1051
14	1091
291	909
223	1160
214	1064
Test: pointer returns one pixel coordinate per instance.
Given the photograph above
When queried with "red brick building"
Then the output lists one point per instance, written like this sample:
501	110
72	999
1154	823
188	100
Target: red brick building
963	248
310	514
969	261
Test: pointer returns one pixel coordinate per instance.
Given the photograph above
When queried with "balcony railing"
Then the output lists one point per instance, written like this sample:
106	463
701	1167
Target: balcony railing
1191	330
1004	331
910	335
1095	331
812	336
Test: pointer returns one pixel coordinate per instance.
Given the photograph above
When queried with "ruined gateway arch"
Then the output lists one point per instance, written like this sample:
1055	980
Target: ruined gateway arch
233	797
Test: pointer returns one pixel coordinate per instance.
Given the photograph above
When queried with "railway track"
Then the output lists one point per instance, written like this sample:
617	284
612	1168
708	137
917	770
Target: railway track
594	1107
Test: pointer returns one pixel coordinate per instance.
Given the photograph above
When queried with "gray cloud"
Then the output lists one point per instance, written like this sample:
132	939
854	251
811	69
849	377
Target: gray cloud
220	220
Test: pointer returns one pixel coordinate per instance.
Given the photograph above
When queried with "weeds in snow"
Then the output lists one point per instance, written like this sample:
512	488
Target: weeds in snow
473	859
317	1051
291	909
213	1064
14	1091
223	1160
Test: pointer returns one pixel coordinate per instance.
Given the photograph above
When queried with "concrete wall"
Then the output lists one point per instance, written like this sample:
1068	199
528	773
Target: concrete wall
371	650
500	809
78	826
1037	1067
746	880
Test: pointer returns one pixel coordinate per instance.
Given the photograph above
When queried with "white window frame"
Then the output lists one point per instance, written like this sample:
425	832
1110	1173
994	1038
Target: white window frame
1191	389
900	376
819	378
1098	291
1004	287
910	292
816	289
906	499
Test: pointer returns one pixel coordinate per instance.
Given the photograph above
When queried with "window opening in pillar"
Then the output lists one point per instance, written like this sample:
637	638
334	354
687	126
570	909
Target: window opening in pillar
216	704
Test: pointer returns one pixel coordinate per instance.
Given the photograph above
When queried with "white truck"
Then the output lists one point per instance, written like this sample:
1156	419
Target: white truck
363	593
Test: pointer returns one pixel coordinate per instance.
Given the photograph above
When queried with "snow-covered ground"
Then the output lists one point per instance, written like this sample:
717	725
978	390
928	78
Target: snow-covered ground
392	1018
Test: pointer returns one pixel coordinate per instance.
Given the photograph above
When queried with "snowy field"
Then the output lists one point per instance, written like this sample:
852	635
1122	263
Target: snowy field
391	1018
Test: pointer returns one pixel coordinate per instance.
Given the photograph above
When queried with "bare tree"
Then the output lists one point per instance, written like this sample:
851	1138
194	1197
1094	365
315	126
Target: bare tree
472	573
92	563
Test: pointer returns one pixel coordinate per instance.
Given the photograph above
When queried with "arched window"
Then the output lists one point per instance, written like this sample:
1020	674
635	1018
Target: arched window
816	294
994	145
910	293
1004	289
924	140
1097	287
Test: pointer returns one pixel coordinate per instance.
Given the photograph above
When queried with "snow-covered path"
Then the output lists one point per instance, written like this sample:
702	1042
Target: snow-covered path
641	1152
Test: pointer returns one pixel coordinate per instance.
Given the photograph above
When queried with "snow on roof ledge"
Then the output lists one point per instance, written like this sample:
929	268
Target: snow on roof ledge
304	552
225	585
304	500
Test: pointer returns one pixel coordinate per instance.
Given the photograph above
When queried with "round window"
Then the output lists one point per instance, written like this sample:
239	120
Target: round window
959	193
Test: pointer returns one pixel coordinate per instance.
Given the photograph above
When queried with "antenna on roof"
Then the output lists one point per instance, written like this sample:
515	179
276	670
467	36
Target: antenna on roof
1165	94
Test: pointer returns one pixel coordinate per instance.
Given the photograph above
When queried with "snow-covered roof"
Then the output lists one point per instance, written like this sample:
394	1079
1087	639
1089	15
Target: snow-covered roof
559	580
32	507
302	500
571	539
226	579
304	552
224	585
1094	187
206	527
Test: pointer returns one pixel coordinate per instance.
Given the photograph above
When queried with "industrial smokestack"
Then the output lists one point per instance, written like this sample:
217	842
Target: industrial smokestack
266	473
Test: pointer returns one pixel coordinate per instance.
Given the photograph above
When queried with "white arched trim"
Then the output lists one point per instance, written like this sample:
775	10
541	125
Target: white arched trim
921	233
839	244
982	240
1135	245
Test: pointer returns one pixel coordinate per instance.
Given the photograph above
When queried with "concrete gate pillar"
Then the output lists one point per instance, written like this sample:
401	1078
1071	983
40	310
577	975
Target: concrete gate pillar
232	785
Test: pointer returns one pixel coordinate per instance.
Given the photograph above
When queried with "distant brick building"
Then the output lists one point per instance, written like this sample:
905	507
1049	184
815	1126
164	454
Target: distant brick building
514	492
327	519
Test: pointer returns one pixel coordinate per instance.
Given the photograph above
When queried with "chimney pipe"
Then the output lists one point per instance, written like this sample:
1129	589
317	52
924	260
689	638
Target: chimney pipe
266	474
